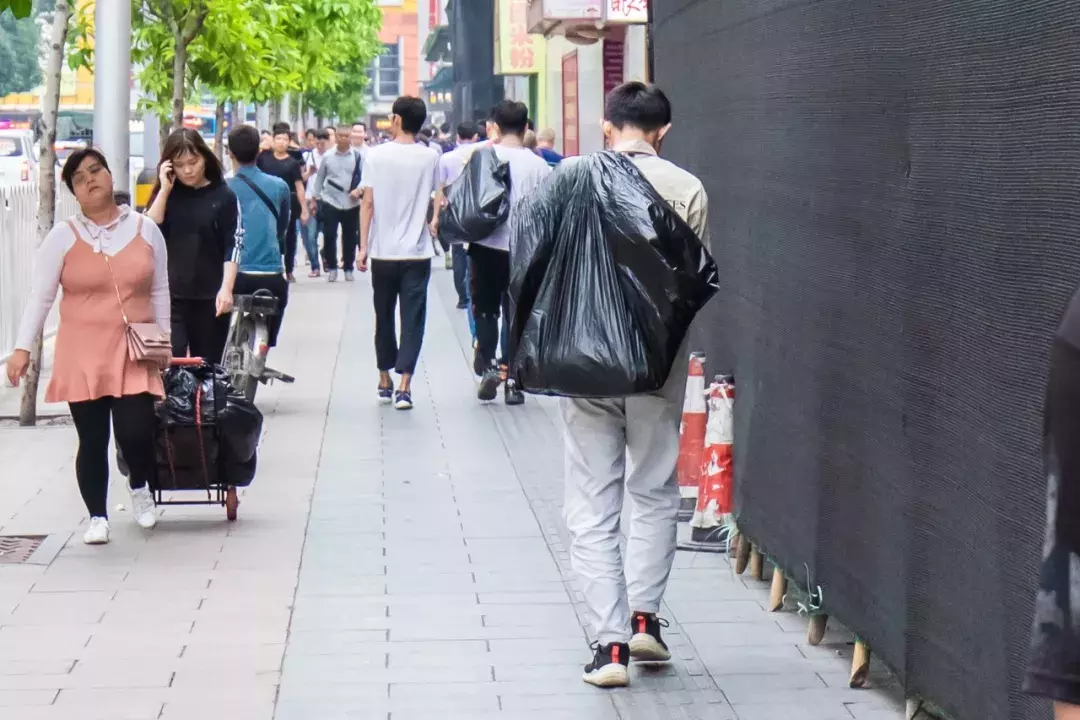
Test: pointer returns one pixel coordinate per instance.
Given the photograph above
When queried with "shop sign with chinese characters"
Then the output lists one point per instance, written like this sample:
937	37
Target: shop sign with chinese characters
632	12
517	52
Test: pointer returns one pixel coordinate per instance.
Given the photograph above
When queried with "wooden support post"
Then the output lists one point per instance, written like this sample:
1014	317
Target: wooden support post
860	665
779	589
742	555
815	633
757	564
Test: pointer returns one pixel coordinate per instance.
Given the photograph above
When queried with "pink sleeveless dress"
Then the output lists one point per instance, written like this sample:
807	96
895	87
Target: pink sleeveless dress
91	357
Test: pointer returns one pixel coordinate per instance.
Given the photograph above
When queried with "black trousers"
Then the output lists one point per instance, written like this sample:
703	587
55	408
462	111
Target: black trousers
197	330
290	236
349	222
404	282
461	272
133	418
489	280
247	284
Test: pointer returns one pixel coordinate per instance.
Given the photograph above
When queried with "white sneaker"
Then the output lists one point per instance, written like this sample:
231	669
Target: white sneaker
143	507
98	532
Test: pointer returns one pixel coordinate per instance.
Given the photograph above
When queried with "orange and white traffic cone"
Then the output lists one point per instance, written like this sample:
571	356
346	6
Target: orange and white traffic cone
715	501
692	436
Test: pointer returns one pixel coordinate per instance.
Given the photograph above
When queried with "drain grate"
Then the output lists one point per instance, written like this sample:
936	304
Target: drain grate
17	549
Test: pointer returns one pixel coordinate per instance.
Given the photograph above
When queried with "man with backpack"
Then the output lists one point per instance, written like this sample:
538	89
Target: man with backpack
335	188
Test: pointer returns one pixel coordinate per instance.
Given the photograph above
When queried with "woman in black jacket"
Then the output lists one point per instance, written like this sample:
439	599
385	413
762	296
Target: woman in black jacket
200	218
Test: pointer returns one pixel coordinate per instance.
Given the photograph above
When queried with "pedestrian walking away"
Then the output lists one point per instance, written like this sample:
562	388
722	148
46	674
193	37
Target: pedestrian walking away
398	180
451	165
199	218
602	438
265	203
111	264
489	259
339	201
282	163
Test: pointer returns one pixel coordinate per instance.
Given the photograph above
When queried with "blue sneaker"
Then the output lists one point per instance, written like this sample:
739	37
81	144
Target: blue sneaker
403	400
386	395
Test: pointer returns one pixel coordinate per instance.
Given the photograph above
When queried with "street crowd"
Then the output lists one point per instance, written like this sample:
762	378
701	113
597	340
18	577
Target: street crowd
205	238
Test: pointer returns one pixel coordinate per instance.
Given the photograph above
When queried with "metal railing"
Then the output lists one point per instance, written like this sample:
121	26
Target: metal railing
18	240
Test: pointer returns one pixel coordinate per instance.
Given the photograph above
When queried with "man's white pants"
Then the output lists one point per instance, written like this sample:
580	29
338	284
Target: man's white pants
600	437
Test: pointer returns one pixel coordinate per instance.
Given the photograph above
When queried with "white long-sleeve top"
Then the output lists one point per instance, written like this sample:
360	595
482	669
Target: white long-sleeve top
111	239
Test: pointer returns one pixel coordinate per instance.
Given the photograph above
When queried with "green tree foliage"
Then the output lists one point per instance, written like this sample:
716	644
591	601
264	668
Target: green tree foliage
19	43
338	39
249	51
16	8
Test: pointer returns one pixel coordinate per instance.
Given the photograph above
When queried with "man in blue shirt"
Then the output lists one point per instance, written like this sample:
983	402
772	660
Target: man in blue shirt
265	204
545	147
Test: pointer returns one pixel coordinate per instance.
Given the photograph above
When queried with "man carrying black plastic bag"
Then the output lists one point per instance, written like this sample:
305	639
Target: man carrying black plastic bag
489	259
622	601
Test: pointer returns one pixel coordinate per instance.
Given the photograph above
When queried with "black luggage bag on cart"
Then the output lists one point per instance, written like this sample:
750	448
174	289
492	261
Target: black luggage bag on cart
206	437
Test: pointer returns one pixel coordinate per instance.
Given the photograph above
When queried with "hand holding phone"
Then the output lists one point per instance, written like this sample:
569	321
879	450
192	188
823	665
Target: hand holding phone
166	175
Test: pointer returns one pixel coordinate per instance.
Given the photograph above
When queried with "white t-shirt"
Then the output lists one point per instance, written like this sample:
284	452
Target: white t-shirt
402	178
527	171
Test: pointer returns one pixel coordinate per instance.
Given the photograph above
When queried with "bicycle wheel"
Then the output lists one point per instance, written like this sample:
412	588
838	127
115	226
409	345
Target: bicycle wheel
240	369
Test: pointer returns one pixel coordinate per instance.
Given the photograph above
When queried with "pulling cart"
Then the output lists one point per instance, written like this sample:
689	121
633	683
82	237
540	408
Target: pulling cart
205	438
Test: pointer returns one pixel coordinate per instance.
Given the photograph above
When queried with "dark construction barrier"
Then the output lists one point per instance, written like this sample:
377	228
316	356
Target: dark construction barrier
895	200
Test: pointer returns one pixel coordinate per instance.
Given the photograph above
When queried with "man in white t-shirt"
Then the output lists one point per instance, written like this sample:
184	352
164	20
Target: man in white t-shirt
489	259
398	180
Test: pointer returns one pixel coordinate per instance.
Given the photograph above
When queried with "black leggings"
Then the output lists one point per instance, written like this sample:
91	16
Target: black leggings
133	418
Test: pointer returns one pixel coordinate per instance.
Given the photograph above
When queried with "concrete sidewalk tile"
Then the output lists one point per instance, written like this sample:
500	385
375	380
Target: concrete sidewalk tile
109	703
25	698
585	703
36	667
787	711
343	642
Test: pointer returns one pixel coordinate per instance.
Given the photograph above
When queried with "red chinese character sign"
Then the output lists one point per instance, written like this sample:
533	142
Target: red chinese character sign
627	11
519	53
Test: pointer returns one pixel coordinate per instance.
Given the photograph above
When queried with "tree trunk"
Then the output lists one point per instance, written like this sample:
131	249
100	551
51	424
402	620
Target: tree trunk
164	130
219	130
275	112
46	185
179	70
301	115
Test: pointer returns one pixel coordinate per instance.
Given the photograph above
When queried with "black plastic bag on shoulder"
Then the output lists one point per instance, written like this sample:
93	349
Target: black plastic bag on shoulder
605	281
478	202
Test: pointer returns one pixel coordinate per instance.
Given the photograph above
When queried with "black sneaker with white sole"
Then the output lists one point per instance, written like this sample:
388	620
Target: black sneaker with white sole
489	384
646	644
609	666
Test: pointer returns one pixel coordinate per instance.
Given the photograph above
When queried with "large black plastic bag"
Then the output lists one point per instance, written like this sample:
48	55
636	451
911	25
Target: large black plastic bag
231	426
478	202
605	281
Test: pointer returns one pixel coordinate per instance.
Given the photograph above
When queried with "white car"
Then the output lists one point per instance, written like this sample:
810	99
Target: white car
18	159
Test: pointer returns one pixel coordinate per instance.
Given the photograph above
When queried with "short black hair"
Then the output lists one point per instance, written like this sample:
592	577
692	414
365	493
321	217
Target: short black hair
361	123
244	144
412	111
323	134
466	130
311	132
121	197
282	128
75	159
265	132
511	117
329	129
638	105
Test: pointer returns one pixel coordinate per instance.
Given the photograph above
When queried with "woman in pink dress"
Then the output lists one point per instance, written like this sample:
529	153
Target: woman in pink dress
110	262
